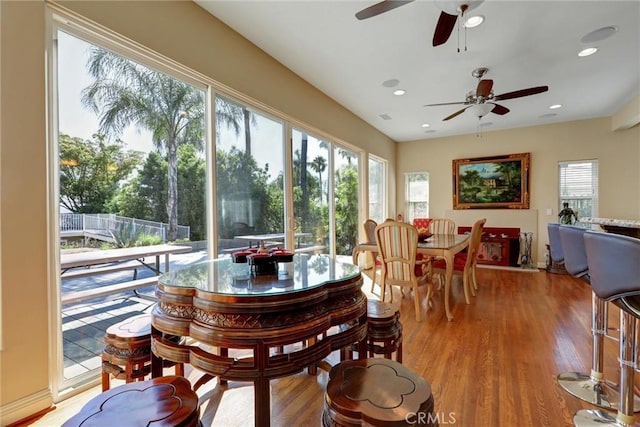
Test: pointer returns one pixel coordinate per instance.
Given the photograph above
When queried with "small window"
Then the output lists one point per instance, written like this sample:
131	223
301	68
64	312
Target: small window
416	195
578	182
377	194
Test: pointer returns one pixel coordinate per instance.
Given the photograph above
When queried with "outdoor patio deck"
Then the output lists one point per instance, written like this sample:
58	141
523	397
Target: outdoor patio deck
84	324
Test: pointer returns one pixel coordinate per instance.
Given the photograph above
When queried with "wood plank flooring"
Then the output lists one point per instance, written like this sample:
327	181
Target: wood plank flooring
495	364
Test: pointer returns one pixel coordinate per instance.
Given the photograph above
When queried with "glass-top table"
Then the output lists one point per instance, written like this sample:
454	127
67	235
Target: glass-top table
290	320
225	277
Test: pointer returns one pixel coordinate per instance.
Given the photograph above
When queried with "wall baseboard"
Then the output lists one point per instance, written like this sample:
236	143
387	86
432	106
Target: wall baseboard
25	407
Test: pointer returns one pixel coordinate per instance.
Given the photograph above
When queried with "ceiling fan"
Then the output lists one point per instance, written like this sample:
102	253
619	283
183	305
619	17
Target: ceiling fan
451	10
481	101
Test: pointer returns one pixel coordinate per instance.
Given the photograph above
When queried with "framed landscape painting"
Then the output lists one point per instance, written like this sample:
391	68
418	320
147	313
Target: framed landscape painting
497	182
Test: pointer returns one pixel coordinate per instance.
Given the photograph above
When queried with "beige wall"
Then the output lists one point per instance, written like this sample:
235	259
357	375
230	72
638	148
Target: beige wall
179	30
618	155
25	317
185	33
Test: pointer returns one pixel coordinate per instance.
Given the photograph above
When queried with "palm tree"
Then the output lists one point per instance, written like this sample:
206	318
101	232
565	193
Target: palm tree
345	154
319	165
125	93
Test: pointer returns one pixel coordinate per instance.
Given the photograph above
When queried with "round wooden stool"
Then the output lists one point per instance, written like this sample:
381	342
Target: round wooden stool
377	392
161	402
127	351
384	331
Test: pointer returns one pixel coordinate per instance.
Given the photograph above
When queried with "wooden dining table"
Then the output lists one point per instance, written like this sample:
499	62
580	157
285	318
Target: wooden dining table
444	246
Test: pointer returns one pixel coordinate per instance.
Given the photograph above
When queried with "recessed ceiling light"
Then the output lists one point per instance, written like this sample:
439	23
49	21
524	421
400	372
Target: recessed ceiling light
599	34
555	106
474	21
390	83
588	51
425	125
399	92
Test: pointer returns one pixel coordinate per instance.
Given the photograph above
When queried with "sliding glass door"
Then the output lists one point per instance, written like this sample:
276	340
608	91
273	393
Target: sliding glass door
131	169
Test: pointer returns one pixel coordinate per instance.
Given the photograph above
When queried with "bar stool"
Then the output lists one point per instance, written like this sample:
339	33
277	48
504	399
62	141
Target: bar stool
377	392
556	255
615	276
127	351
593	387
160	402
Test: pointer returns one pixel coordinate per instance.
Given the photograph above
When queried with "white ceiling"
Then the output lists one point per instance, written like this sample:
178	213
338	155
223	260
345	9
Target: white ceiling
523	43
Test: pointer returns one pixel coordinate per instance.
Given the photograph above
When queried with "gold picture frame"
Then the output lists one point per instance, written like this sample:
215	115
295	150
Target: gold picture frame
494	182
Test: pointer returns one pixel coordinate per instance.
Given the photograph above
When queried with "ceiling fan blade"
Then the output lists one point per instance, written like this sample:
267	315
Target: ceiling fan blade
457	113
444	28
499	109
521	93
484	87
446	103
378	8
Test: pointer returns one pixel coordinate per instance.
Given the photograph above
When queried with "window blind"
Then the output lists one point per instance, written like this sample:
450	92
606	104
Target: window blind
578	185
416	195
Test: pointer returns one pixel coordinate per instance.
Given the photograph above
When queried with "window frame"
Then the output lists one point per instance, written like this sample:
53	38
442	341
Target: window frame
409	212
577	200
59	18
382	186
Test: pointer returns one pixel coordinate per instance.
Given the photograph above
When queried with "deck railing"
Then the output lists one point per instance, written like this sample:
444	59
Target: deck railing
106	224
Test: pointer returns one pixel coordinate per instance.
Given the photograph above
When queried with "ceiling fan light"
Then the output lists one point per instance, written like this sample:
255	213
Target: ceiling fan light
588	51
453	7
480	110
474	21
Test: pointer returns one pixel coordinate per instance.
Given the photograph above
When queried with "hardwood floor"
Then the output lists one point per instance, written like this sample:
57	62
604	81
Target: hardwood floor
495	364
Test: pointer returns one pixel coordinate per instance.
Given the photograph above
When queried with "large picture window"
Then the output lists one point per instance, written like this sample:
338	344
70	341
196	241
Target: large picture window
249	175
136	160
131	172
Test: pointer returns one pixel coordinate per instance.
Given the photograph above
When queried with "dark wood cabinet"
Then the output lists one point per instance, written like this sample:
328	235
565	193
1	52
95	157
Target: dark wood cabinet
498	246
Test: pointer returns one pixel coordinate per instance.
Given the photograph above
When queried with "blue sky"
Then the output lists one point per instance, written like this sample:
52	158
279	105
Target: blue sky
77	121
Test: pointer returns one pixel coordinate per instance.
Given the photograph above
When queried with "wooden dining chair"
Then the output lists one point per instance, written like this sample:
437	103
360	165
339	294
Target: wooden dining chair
464	263
442	226
369	262
398	251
